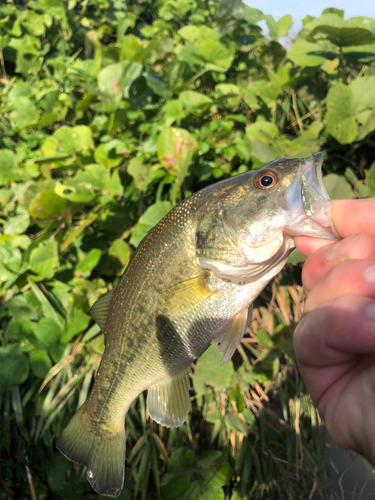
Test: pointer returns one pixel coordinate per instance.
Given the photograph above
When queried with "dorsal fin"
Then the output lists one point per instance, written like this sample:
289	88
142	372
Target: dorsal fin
99	310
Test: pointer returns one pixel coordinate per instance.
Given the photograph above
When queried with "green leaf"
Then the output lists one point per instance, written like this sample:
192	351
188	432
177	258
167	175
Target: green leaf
17	224
57	473
209	371
140	173
131	46
115	80
176	148
284	24
217	56
47	308
20	89
174	112
194	102
10	257
261	128
114	186
338	187
305	54
21	329
157	84
24	114
340	110
190	55
191	33
44	259
342	37
40	362
74	191
14	365
48	205
88	263
263	338
77	322
173	487
24	305
48	331
251	15
8	163
73	140
121	251
265	370
148	220
363	93
10	171
272	26
181	459
232	91
333	10
208	458
96	176
106	155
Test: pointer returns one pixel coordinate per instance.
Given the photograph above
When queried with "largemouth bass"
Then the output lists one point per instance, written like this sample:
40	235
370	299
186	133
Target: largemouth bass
190	283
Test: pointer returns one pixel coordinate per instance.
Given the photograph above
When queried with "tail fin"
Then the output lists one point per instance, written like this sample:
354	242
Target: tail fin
103	455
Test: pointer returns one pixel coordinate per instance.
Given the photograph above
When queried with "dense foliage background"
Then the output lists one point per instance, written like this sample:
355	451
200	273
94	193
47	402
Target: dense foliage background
111	112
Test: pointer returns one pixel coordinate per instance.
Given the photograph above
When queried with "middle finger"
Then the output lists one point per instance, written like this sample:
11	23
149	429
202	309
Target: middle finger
355	277
358	246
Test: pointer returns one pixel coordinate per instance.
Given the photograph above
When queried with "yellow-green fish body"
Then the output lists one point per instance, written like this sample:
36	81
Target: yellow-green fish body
190	283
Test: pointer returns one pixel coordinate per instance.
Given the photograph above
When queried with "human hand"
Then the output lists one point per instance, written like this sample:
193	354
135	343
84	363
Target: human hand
335	340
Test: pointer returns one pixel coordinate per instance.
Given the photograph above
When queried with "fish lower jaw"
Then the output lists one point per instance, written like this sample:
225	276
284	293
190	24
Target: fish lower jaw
319	226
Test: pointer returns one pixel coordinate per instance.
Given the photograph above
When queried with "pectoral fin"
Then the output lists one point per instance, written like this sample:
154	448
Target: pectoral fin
168	403
186	295
232	334
99	310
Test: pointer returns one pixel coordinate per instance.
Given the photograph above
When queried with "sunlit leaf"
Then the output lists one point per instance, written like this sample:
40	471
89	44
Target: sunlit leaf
338	187
47	204
44	259
148	220
115	79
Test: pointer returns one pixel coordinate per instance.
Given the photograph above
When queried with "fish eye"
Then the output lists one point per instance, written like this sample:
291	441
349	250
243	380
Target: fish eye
265	180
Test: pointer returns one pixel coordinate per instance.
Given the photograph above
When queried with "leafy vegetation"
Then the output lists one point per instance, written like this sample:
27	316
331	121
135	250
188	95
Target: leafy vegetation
110	113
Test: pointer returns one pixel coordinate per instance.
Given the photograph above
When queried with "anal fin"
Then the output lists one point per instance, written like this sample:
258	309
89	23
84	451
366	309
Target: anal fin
168	403
232	334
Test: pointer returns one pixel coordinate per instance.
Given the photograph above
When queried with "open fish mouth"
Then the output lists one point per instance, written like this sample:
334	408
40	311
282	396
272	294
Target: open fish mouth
310	202
313	191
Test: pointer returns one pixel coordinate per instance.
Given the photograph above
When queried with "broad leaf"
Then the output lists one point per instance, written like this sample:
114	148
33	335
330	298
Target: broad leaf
115	80
14	365
44	259
209	371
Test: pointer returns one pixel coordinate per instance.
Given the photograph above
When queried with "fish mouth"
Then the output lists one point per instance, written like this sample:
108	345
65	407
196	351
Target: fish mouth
313	190
310	202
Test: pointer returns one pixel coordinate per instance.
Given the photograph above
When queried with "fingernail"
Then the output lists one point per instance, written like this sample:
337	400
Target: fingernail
370	311
370	274
339	251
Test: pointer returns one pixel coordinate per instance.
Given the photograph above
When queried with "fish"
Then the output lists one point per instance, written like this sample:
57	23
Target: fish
191	283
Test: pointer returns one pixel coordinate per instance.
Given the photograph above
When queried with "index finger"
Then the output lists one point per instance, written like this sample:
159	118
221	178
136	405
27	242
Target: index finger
354	216
348	217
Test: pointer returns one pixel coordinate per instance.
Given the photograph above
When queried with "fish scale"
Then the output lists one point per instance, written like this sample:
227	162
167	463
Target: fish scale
191	282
